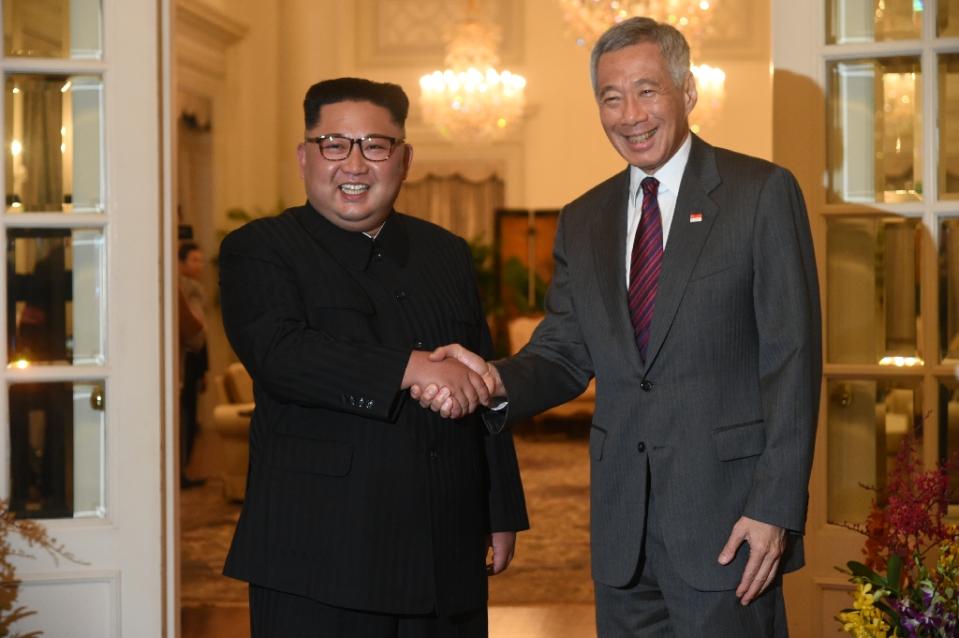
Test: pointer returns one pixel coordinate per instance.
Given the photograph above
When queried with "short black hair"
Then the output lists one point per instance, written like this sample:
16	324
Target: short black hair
186	248
390	96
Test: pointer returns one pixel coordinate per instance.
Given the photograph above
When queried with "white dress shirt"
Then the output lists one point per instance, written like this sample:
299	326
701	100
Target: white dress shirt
669	176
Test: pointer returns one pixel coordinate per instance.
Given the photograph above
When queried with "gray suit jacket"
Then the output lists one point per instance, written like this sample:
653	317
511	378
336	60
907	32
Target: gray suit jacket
725	406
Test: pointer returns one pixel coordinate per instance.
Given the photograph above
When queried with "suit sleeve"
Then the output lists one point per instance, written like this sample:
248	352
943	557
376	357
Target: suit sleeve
555	366
786	302
267	326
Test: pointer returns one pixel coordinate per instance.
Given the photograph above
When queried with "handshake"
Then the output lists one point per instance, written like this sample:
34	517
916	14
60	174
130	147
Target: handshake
451	380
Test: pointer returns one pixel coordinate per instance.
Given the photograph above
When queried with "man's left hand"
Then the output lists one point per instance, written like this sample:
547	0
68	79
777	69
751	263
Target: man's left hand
766	545
503	544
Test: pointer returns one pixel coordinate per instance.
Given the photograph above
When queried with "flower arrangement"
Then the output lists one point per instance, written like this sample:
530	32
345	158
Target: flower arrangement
899	590
35	535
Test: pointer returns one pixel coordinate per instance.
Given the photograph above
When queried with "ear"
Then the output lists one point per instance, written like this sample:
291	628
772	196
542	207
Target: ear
690	96
301	158
407	159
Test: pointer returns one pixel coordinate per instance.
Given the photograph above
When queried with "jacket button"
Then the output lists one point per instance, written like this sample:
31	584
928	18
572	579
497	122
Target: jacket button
641	447
401	294
377	255
418	344
434	455
646	386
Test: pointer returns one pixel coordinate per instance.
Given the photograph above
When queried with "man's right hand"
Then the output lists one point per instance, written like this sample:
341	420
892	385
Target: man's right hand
439	398
463	390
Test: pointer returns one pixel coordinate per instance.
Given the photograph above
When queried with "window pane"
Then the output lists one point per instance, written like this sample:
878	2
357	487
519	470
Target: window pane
949	289
866	422
53	131
871	21
57	450
875	130
947	21
872	288
949	432
949	126
54	296
52	28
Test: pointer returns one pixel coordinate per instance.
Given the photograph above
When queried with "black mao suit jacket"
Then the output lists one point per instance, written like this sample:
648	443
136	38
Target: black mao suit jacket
357	497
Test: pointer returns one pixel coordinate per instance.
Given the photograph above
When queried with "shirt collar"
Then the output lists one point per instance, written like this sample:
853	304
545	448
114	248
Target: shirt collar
669	176
353	249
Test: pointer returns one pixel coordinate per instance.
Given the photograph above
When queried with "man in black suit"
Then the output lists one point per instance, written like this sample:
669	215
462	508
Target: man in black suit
364	514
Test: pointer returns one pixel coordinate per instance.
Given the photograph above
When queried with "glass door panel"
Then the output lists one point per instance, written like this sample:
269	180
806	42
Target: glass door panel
57	450
52	28
872	291
947	19
949	431
949	126
54	296
874	130
866	422
851	21
53	124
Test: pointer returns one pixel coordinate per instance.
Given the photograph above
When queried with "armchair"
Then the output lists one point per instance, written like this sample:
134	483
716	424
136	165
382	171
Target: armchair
231	420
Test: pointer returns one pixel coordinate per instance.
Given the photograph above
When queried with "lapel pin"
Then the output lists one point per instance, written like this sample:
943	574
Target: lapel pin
695	217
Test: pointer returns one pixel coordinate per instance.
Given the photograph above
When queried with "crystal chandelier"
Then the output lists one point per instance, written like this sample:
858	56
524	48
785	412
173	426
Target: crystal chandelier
470	99
589	19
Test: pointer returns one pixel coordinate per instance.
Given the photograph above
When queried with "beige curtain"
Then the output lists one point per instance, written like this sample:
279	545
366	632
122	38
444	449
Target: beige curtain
42	119
462	206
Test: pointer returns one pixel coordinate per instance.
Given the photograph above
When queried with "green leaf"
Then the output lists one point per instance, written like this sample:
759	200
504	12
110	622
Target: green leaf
893	572
859	570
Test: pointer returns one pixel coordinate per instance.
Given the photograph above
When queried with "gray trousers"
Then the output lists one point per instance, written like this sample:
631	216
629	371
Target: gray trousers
658	603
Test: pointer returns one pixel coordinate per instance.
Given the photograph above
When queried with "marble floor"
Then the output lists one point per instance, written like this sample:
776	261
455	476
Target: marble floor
546	593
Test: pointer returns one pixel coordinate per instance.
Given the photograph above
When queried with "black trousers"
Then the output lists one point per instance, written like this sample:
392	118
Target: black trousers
275	614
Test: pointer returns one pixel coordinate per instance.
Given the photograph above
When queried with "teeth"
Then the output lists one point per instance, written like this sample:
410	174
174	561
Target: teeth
354	189
636	139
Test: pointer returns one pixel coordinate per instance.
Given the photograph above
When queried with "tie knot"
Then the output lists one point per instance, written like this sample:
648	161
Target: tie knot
650	185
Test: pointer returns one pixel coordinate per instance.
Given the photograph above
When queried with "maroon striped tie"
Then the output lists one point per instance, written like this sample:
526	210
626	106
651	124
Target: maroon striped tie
645	263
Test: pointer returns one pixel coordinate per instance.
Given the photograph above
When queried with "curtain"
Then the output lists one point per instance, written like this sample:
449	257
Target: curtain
463	206
42	159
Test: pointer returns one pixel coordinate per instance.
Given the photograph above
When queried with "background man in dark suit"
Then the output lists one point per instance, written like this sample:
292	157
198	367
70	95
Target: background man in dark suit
365	515
687	286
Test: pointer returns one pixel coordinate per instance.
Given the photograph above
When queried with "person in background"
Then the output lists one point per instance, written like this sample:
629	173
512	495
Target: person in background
193	351
365	515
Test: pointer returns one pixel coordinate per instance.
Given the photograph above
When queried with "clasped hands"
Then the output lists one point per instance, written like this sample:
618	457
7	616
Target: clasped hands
451	380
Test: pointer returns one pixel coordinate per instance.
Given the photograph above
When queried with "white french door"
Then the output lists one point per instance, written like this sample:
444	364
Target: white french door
82	403
866	113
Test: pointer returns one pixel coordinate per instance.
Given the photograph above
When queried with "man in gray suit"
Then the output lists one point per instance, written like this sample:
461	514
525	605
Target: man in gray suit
687	286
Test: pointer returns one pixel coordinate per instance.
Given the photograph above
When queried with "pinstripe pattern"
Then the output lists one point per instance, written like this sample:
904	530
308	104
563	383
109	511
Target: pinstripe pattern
724	407
645	263
356	496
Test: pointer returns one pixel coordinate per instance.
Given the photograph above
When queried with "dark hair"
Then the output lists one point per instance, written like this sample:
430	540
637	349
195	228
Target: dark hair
672	45
389	96
185	249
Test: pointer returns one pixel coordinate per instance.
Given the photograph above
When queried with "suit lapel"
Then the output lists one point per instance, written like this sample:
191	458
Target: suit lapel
609	254
685	241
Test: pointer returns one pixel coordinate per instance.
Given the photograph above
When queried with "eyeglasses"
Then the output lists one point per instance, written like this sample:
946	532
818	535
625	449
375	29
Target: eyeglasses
375	148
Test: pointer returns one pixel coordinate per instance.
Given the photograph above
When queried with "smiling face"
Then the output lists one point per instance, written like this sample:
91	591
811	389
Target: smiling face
642	110
355	193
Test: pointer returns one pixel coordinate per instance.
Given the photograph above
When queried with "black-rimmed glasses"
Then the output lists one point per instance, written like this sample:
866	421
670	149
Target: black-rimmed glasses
375	148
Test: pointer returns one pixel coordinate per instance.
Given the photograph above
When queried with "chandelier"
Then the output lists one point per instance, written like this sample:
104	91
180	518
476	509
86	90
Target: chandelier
470	99
589	19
